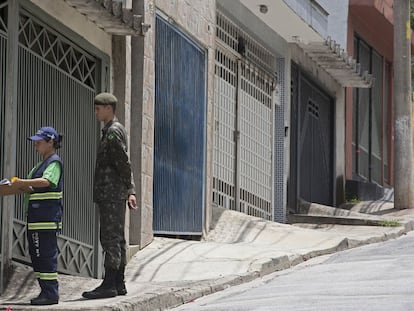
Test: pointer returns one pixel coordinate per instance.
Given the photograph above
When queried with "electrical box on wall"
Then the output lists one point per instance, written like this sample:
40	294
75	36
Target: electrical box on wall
276	95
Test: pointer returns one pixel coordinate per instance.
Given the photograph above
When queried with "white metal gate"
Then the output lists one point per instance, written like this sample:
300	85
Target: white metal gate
255	141
243	139
225	90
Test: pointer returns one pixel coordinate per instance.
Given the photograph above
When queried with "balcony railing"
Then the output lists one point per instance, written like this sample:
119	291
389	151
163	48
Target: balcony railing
312	13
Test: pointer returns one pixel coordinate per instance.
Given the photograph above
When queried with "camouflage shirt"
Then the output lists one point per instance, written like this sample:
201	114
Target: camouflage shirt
113	175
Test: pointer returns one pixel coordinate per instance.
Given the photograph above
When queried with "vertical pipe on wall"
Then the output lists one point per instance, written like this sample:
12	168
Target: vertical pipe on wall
237	155
10	127
137	73
141	220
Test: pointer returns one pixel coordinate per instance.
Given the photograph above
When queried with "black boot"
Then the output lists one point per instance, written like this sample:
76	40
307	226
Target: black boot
107	289
42	300
120	281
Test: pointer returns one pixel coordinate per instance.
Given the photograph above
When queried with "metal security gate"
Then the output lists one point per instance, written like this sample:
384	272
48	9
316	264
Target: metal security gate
180	137
57	83
3	59
256	129
225	90
311	143
244	122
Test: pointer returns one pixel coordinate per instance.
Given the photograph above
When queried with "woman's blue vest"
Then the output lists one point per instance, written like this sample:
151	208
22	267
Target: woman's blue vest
45	204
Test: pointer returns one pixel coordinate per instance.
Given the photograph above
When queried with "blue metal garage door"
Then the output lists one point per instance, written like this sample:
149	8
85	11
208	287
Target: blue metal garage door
180	139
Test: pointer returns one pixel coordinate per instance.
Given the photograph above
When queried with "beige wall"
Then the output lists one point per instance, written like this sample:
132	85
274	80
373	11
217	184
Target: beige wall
143	130
76	22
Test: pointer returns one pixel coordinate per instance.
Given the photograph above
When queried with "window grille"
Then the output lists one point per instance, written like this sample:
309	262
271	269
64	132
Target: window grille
54	48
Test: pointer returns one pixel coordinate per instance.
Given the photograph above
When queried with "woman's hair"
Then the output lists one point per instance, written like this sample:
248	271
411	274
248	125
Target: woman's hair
57	143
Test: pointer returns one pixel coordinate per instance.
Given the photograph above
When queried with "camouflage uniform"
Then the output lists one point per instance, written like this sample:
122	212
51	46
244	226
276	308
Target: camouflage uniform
113	183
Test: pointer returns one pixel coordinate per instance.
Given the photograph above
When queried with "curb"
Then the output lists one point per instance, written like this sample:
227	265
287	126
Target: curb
176	297
167	295
337	220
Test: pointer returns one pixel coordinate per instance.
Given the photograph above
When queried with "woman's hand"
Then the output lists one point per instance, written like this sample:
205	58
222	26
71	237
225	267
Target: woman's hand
17	182
23	185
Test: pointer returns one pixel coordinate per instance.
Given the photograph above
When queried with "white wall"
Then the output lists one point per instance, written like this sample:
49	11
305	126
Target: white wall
250	23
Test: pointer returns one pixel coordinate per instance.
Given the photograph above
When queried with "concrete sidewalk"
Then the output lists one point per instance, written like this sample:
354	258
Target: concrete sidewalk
239	248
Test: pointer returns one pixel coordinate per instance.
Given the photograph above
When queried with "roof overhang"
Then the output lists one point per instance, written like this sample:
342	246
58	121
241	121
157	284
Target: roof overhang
111	16
330	57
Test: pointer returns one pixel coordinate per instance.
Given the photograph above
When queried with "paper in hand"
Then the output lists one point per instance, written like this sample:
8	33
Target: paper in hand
5	181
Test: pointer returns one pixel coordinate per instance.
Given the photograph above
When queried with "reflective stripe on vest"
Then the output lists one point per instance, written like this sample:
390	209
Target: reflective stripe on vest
46	196
44	225
46	276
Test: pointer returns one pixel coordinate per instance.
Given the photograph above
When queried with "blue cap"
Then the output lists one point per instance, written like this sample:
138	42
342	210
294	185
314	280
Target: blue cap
46	133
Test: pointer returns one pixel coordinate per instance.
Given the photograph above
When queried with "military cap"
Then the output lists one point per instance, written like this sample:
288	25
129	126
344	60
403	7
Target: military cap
105	99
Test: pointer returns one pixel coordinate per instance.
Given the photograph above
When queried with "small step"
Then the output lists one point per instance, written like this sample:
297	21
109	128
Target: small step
338	220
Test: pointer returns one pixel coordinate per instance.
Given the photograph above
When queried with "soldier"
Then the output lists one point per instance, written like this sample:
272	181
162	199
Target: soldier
113	186
43	203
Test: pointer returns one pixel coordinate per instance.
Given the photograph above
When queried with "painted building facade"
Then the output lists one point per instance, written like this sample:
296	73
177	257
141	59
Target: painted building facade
228	104
317	72
365	29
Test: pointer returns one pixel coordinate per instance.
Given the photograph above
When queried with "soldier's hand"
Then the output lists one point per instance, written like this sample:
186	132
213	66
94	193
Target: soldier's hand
132	202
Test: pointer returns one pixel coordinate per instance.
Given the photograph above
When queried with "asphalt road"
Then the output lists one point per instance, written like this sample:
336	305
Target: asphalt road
373	277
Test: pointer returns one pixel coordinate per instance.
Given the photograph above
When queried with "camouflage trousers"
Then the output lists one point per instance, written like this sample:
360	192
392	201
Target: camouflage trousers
112	233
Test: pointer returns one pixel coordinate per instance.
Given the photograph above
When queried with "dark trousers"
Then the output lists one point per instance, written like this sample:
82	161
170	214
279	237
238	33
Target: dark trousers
43	251
112	233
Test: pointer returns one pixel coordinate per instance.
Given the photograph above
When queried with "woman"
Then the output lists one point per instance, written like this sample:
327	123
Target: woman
44	212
